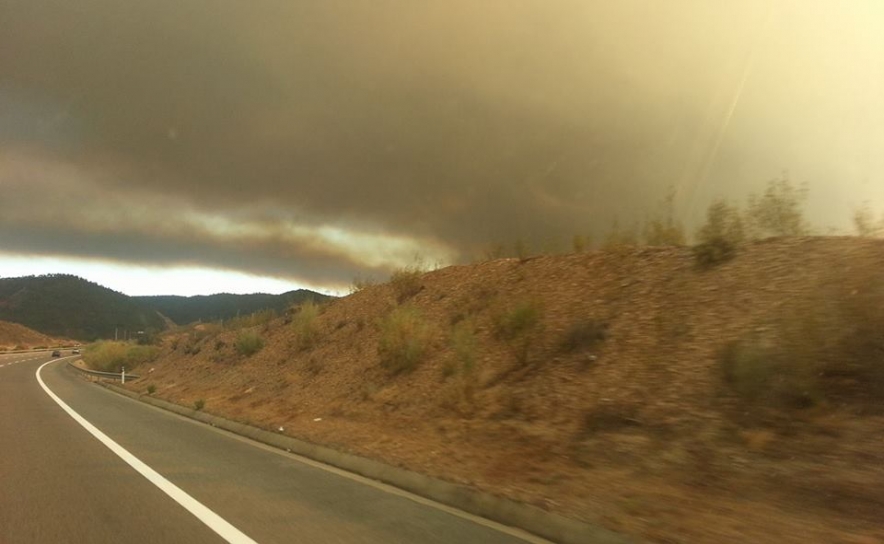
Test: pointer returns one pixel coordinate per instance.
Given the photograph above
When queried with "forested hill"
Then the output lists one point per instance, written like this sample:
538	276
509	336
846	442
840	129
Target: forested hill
67	306
183	310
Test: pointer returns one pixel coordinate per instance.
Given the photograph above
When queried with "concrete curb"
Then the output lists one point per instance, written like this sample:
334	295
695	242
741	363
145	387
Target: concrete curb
533	520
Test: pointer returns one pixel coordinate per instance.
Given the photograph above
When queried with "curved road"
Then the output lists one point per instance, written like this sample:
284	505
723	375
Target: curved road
60	484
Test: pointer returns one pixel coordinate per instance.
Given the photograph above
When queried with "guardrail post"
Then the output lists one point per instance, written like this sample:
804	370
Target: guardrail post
123	376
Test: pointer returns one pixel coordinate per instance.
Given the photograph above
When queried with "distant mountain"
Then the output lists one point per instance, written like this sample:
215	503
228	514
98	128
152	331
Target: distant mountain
183	310
67	306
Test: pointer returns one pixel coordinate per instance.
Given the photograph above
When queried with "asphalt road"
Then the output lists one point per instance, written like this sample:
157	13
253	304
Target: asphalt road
61	484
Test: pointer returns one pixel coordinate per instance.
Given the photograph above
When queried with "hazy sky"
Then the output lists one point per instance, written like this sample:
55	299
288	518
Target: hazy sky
267	144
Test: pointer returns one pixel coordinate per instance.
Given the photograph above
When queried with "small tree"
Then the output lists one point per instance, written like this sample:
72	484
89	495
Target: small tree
779	210
664	229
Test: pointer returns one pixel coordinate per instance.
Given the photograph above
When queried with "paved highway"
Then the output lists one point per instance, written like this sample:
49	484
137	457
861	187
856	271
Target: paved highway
59	483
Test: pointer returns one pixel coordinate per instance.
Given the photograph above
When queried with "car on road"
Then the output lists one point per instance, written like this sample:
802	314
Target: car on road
56	353
75	352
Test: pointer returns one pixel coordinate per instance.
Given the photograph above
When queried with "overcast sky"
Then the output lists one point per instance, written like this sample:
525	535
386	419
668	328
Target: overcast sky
194	146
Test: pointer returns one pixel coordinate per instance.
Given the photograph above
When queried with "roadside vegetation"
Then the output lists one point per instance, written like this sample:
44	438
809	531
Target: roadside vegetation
109	356
405	338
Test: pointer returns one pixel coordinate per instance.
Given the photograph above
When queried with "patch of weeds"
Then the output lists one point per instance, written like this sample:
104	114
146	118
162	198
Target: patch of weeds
463	345
255	319
406	282
584	335
305	325
519	327
220	344
518	320
404	339
151	389
360	283
249	343
199	404
763	373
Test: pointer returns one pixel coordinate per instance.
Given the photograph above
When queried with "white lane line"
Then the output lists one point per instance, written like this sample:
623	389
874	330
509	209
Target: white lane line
215	522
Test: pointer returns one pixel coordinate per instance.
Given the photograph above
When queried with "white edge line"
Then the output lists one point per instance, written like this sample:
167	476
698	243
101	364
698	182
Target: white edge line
215	522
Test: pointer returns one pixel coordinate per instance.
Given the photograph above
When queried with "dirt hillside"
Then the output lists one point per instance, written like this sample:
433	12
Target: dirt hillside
15	336
632	389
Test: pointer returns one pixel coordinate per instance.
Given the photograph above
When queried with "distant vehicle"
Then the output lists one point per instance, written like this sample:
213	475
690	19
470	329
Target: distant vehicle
75	352
56	353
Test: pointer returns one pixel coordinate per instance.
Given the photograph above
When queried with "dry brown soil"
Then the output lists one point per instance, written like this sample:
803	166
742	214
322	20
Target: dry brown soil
637	432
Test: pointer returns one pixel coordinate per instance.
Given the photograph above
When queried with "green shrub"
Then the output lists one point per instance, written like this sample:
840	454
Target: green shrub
151	389
249	343
199	404
404	339
109	356
585	334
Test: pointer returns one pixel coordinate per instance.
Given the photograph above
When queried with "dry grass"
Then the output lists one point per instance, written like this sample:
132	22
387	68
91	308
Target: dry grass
404	339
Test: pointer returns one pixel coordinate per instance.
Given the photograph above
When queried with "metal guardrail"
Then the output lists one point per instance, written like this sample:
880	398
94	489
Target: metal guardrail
118	376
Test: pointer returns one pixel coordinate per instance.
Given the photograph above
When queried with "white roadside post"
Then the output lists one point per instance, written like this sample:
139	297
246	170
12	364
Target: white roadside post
123	376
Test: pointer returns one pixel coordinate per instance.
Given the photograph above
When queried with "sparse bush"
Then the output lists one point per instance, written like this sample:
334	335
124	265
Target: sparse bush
406	282
360	283
304	323
865	224
664	229
763	372
404	339
220	344
778	211
151	389
249	343
463	345
719	238
518	320
255	319
827	347
519	328
585	334
199	404
110	356
619	238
